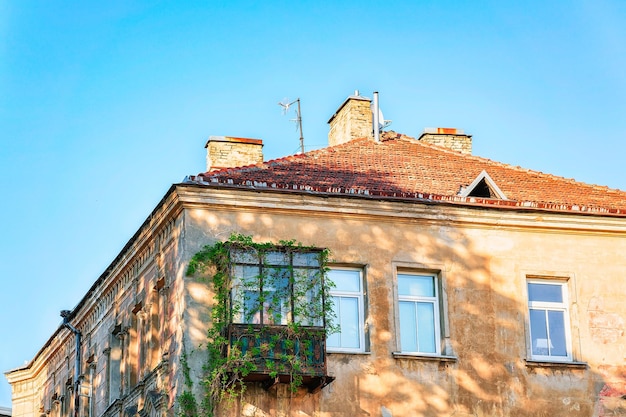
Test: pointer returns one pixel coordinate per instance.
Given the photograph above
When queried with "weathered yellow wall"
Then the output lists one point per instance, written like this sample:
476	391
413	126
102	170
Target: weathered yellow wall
483	255
484	258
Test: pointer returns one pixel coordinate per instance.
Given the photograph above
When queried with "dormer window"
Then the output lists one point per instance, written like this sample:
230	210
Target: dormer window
483	187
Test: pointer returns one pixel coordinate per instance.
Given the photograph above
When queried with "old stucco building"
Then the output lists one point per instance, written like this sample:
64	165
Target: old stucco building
464	286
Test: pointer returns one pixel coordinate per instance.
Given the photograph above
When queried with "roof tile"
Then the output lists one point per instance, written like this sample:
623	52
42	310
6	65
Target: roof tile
403	167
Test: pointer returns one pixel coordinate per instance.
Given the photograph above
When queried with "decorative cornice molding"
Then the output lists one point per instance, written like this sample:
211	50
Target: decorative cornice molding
398	210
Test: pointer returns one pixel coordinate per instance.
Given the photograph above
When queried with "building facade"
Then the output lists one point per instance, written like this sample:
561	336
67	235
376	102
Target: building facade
463	287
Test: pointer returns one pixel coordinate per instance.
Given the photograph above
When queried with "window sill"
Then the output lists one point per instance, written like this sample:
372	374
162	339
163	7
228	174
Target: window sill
422	357
555	364
344	352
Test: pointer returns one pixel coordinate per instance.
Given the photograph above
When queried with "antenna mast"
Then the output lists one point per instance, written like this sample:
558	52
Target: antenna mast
285	104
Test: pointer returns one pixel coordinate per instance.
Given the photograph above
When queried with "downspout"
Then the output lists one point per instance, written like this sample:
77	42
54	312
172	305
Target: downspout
65	314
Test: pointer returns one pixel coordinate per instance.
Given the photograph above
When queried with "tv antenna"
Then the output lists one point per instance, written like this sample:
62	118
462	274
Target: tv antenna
285	104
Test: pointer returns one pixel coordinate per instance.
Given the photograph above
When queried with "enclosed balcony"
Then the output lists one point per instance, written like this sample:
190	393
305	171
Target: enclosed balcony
277	311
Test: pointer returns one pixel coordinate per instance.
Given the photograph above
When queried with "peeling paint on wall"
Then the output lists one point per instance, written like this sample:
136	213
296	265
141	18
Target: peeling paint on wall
612	400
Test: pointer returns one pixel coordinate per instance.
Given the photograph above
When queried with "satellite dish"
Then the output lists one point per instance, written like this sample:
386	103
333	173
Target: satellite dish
382	123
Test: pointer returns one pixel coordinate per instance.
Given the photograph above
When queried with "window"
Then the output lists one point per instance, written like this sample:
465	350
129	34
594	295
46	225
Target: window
277	287
418	308
549	320
347	296
483	187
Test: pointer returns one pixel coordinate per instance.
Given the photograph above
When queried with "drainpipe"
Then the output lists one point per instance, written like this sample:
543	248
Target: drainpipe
65	314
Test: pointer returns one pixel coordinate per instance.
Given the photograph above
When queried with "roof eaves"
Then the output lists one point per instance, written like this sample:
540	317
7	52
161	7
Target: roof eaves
408	196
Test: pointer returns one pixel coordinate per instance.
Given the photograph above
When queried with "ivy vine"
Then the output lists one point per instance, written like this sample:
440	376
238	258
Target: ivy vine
186	400
271	312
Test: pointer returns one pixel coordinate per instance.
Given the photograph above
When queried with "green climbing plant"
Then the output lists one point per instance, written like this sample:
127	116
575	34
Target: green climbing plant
186	400
271	313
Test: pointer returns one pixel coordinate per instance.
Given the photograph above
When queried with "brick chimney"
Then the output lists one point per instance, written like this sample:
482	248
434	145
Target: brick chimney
352	120
230	152
447	137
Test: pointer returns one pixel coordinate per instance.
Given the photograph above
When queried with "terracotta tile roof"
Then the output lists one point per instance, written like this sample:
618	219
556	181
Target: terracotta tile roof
401	167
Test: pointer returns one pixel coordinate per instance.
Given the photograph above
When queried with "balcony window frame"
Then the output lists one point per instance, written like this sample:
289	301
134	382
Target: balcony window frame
261	263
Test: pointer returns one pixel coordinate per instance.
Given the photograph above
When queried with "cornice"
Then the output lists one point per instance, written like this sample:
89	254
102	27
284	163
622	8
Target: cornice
167	209
407	211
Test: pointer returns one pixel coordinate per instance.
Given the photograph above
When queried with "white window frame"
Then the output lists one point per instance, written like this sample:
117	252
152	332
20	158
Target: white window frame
562	306
437	311
360	296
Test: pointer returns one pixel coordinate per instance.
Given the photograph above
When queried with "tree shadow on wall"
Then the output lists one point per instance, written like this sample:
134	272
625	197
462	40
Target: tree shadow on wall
485	321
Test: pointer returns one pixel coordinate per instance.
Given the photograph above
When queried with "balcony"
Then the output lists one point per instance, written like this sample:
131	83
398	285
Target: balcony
281	355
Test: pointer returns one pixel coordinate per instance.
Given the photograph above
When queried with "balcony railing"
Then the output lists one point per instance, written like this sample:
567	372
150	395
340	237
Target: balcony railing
280	354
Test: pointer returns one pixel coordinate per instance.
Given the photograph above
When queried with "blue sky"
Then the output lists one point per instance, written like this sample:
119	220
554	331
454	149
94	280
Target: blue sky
103	105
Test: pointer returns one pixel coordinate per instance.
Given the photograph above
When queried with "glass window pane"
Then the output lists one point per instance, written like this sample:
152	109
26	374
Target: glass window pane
251	307
539	332
247	276
306	259
244	296
408	327
556	321
345	280
307	293
552	293
236	304
349	322
276	296
426	328
248	256
334	340
347	299
275	278
416	285
276	258
305	278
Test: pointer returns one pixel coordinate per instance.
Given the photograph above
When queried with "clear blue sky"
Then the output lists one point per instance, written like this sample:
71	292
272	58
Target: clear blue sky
104	104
